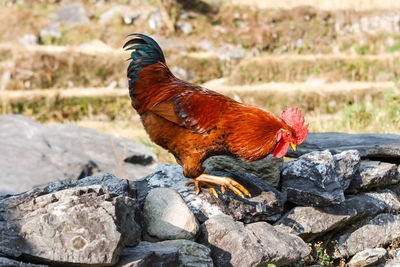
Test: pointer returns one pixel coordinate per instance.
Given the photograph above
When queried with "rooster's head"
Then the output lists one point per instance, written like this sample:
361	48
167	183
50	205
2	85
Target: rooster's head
294	135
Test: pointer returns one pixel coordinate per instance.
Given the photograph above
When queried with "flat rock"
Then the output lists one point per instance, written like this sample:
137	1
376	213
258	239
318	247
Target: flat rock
85	225
149	254
6	262
113	184
50	32
111	13
383	146
28	39
236	244
368	257
166	216
377	232
310	222
72	14
265	201
129	17
268	169
313	179
230	52
64	151
190	253
372	174
137	258
387	199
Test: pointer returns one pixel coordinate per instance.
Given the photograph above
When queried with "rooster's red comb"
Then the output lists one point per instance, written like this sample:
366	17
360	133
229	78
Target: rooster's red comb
293	118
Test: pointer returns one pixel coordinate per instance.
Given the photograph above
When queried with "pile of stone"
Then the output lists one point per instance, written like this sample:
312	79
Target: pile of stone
343	201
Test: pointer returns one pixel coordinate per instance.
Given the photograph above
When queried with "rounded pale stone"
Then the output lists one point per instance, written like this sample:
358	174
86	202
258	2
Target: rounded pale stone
167	216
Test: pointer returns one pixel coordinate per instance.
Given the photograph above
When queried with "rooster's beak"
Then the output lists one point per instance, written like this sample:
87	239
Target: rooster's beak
293	146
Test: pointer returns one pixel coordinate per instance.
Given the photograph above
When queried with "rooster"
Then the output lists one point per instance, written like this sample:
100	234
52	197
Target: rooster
194	123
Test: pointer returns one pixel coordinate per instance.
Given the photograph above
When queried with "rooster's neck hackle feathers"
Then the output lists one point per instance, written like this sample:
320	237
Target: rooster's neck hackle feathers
253	132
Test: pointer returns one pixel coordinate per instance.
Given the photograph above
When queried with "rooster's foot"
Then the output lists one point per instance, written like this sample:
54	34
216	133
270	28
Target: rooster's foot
225	182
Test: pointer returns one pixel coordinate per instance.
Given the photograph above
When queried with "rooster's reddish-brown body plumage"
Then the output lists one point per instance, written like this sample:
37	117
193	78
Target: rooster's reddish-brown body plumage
194	123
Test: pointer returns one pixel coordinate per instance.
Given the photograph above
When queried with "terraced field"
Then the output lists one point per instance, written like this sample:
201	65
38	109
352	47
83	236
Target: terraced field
340	66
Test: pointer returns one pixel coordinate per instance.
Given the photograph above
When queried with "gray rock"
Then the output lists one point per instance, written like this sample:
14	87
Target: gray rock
171	42
347	165
298	43
72	14
191	253
387	199
111	13
185	26
396	187
166	216
50	33
185	14
268	169
235	244
82	225
395	261
379	231
181	73
166	253
28	39
228	52
372	174
368	257
113	184
137	258
149	254
255	52
396	253
313	180
206	44
265	201
384	146
5	79
112	85
64	151
156	20
310	222
130	18
5	262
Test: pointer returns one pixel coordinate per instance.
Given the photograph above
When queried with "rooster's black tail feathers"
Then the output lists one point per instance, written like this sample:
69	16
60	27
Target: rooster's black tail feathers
145	52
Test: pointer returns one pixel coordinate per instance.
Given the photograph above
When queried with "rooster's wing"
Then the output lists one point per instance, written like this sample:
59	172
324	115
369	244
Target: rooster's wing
194	110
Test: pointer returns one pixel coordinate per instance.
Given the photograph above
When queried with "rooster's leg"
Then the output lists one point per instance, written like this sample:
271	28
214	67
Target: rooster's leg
224	182
199	184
